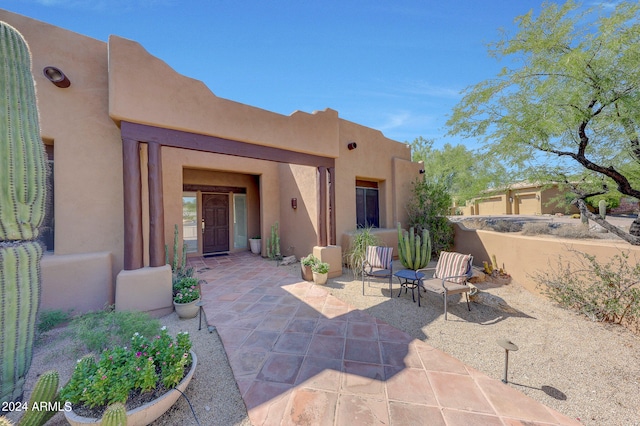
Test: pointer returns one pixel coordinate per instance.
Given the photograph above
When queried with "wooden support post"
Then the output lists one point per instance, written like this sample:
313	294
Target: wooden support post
322	206
156	206
132	181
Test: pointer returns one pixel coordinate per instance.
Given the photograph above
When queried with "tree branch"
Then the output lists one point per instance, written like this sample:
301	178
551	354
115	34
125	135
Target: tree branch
606	225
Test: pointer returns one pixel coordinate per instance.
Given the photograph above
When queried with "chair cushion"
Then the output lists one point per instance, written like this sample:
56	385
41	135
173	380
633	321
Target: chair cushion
452	265
379	257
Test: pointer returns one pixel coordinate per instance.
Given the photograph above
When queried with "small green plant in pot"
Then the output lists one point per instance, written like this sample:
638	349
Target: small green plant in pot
305	266
320	272
185	294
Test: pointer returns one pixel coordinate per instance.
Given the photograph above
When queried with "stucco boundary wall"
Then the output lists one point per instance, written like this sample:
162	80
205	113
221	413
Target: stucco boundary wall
524	256
77	282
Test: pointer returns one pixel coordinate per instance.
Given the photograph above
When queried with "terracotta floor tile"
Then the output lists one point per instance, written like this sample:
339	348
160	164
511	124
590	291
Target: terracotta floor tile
247	363
267	402
327	347
399	354
459	392
414	414
326	327
320	373
293	343
281	368
260	340
363	379
392	334
302	325
273	323
409	385
311	407
362	330
358	410
362	351
436	360
466	418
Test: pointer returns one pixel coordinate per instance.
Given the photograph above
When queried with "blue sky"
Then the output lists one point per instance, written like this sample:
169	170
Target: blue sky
397	66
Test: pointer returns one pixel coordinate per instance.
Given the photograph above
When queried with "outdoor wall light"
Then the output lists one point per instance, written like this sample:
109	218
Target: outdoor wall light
294	203
57	77
352	146
538	197
511	199
421	171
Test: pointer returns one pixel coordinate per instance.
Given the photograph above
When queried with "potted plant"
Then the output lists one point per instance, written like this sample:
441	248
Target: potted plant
143	376
256	244
320	272
305	266
185	296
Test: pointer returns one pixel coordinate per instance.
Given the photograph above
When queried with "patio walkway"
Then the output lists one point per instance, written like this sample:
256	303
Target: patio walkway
303	357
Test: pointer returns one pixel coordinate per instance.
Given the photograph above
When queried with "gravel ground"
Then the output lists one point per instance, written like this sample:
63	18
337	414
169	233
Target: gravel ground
583	369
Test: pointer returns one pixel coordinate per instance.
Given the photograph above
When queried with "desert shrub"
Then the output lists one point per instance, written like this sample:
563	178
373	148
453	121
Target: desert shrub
109	328
355	255
428	209
49	319
506	226
476	224
536	228
601	291
572	231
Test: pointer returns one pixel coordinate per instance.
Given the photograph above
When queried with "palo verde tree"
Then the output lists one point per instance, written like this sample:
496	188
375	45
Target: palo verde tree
569	111
463	173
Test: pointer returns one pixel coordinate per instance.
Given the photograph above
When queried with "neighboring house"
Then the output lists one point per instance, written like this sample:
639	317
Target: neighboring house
521	198
134	146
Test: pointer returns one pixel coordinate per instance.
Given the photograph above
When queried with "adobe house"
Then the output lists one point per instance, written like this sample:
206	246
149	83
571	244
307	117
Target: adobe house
520	198
137	148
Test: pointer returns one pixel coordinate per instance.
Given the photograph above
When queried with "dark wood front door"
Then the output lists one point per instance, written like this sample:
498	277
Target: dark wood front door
215	212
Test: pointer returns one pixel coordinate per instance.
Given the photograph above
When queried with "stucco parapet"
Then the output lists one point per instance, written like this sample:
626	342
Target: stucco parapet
144	89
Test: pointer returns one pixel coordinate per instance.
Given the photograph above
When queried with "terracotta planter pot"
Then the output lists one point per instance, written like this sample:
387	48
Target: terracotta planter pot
306	272
187	310
146	413
320	278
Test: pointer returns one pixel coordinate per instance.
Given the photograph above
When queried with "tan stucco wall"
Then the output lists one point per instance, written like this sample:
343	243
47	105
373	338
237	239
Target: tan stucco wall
87	147
523	256
298	227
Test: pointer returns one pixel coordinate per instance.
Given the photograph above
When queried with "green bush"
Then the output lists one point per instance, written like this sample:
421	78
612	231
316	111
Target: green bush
355	255
109	328
428	209
51	318
601	291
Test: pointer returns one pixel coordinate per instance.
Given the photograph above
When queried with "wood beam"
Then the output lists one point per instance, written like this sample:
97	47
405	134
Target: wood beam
132	182
156	207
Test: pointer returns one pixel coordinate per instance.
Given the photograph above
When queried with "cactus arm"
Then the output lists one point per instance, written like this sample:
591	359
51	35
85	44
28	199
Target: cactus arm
417	259
407	249
45	390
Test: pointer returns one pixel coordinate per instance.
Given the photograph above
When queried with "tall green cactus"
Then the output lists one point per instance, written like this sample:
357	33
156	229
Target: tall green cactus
23	175
273	243
115	415
414	252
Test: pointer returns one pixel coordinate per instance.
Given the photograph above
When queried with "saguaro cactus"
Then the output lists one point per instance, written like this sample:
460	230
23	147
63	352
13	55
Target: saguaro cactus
414	252
45	391
22	208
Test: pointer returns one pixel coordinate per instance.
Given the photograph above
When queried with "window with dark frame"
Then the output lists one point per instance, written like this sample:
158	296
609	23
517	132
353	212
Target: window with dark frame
367	204
47	230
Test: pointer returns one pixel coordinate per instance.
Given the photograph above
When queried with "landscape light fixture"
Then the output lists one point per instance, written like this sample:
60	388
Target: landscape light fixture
57	77
421	171
508	345
352	146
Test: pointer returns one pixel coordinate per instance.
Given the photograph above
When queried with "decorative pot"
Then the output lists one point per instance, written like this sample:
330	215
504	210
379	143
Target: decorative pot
187	310
320	278
306	272
146	413
256	246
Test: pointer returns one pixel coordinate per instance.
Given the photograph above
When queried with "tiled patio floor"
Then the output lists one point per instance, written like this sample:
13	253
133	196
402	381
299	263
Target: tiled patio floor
303	357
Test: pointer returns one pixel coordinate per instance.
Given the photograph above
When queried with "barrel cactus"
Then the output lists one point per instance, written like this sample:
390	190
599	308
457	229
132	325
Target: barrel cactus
414	251
22	208
115	415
